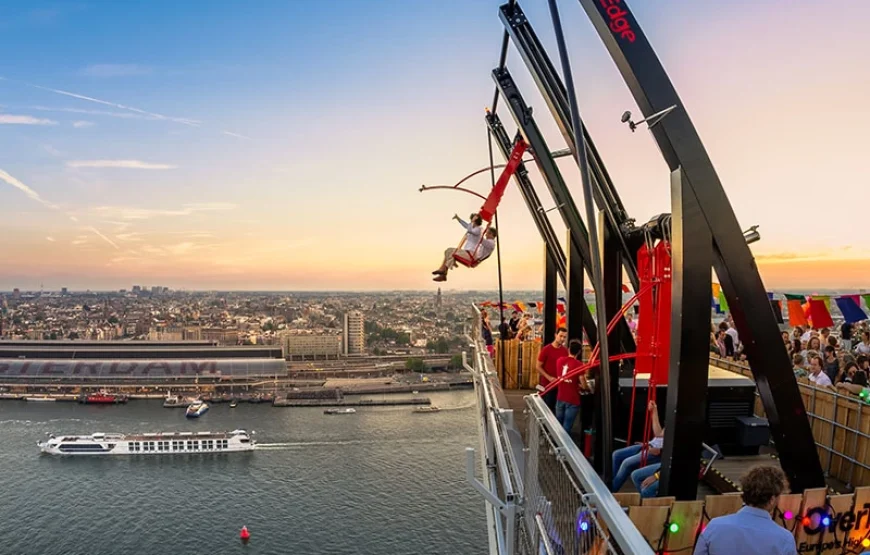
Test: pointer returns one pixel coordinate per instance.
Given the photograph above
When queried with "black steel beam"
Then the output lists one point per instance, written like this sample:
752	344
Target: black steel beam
530	196
553	90
579	317
612	264
550	298
578	310
735	266
552	177
686	415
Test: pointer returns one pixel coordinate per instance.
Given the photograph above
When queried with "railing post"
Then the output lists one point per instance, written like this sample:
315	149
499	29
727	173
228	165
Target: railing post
833	433
855	445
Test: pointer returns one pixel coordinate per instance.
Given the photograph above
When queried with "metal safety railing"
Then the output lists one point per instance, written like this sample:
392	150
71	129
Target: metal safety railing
841	401
542	495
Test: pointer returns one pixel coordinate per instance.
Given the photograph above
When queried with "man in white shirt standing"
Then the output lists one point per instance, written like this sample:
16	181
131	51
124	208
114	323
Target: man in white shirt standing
816	375
732	331
473	251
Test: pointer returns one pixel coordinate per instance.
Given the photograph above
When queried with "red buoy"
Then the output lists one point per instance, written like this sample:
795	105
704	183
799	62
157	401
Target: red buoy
244	534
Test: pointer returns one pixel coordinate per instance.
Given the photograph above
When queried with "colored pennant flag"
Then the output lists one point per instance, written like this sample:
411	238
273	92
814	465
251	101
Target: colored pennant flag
866	300
796	313
560	307
770	295
563	299
825	299
716	290
851	310
820	315
486	304
723	304
777	310
625	288
790	297
540	306
591	308
519	306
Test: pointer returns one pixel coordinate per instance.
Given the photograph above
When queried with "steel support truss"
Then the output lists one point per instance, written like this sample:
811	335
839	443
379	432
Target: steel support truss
706	234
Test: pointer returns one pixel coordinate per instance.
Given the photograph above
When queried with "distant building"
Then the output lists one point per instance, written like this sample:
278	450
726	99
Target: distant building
222	336
63	291
438	299
310	345
354	333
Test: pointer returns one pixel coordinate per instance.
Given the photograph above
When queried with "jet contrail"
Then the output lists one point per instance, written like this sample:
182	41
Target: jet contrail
185	121
103	237
33	195
25	189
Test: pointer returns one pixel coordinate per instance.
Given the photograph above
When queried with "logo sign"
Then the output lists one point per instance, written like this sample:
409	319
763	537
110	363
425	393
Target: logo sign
618	20
818	521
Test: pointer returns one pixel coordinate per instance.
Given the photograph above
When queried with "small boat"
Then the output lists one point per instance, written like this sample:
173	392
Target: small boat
103	398
178	402
347	410
43	399
415	392
430	408
234	404
196	410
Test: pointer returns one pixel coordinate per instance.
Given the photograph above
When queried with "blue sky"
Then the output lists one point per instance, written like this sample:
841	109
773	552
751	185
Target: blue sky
280	145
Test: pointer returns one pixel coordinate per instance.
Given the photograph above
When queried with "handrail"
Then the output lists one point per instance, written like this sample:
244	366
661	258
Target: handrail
622	530
505	471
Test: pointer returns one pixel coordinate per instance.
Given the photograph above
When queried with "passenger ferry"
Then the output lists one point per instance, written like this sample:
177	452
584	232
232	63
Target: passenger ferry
431	408
196	409
149	444
348	410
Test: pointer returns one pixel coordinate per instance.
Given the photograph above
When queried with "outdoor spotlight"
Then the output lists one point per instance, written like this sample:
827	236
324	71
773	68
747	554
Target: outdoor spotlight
751	235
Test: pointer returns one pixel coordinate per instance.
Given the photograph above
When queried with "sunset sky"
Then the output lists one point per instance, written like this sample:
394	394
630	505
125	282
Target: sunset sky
281	145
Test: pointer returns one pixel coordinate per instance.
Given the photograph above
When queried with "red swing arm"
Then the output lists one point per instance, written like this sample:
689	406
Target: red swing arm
490	205
653	341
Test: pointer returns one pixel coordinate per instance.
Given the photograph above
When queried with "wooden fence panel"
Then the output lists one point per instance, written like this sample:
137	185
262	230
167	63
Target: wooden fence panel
650	522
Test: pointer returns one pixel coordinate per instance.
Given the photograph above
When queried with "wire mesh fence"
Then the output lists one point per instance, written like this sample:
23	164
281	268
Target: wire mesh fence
545	498
558	516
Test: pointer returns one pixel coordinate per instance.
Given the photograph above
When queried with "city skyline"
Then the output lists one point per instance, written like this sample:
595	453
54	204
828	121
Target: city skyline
281	146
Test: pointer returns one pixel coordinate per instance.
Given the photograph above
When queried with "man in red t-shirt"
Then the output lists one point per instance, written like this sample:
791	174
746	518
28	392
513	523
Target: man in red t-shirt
547	369
568	391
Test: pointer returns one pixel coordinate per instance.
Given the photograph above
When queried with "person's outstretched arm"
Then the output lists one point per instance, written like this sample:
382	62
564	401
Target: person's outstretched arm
658	431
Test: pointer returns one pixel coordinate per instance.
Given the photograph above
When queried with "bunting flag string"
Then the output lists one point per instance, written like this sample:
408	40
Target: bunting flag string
803	310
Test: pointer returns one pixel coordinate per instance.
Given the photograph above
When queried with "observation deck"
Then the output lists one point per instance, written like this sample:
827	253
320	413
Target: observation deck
544	496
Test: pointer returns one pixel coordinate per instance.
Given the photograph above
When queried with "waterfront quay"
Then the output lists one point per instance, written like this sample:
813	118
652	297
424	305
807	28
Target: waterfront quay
63	372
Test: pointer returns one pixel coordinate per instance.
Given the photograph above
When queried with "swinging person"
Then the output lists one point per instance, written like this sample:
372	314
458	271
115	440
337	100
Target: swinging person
474	250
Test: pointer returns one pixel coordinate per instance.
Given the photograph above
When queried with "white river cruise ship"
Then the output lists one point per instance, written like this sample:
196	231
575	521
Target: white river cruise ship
149	444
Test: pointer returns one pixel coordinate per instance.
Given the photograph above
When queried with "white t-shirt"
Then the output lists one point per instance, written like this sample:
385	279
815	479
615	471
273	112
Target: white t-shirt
657	442
733	333
472	237
821	379
863	349
485	249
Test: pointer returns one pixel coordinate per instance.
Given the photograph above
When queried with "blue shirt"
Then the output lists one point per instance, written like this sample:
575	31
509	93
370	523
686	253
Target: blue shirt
749	531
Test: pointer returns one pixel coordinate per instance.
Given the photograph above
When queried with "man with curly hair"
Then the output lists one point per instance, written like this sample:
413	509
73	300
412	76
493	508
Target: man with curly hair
751	530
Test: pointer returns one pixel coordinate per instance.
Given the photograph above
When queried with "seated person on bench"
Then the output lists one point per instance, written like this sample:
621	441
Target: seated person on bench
627	460
473	251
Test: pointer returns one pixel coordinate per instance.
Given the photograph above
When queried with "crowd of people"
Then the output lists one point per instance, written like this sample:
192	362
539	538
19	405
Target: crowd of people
829	360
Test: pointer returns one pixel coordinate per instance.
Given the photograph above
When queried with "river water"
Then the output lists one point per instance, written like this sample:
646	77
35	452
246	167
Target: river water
381	481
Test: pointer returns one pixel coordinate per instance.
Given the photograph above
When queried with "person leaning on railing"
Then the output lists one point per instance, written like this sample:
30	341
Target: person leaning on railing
751	530
853	379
